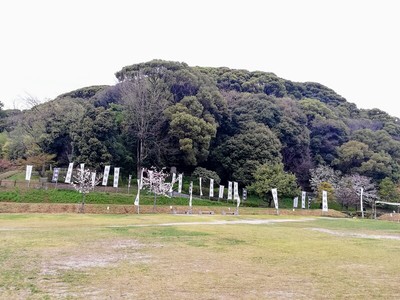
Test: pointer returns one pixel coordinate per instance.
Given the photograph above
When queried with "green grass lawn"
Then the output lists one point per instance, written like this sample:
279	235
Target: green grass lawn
82	256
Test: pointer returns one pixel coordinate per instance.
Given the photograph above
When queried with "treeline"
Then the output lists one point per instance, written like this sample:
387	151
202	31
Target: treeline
168	114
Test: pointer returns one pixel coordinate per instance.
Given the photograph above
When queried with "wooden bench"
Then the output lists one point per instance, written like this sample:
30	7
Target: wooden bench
206	212
230	212
177	212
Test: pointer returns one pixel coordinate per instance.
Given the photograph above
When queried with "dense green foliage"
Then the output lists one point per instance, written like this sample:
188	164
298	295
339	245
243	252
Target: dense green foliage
232	122
272	176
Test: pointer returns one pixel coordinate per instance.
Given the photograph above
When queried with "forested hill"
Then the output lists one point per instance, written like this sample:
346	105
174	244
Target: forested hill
165	114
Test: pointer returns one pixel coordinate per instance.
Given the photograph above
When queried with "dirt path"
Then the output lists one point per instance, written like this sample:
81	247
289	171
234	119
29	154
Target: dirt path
357	235
251	222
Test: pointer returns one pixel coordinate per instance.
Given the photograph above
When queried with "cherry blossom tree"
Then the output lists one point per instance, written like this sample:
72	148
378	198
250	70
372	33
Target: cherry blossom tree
155	183
84	181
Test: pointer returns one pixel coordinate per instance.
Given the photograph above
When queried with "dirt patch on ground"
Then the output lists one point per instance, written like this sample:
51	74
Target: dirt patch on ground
100	254
357	235
12	207
233	222
103	254
395	217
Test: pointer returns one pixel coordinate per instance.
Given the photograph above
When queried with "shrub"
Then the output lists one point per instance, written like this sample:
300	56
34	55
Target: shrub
206	174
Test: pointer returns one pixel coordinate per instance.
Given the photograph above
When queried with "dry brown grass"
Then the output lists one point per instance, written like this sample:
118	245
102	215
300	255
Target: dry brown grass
12	207
72	256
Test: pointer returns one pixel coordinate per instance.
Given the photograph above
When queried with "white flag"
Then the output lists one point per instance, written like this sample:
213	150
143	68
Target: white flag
172	182
116	177
201	190
236	193
105	175
140	186
229	190
295	202
303	199
56	172
82	171
361	201
244	195
221	192
190	194
93	179
180	183
129	181
136	203
69	173
211	187
235	190
324	201
28	172
275	196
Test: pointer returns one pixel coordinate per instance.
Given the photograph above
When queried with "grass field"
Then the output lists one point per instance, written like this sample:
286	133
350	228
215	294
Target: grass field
83	256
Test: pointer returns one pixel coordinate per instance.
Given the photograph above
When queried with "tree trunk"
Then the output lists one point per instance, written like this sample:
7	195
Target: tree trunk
82	209
139	157
154	205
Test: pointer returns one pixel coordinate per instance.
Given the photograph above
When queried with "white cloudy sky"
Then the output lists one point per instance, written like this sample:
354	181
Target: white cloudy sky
51	47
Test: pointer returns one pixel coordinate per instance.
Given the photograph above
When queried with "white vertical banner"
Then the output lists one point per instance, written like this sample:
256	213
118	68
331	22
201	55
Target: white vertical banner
221	192
303	199
150	173
140	185
275	197
28	173
237	201
69	173
200	187
235	191
172	182
244	195
295	202
190	194
324	201
211	187
129	181
116	177
82	171
93	179
136	203
56	172
229	190
180	183
105	175
361	202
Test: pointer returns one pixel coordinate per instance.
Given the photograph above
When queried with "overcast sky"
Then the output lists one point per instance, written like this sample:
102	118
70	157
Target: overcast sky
51	47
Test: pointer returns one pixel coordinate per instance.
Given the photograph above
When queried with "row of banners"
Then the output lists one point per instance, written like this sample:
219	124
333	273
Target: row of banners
303	200
232	194
68	178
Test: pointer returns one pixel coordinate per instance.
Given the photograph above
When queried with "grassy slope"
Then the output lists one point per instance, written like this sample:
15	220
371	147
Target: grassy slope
35	195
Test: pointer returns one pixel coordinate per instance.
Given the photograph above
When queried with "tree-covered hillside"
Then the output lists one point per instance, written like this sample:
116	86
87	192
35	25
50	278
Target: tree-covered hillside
164	113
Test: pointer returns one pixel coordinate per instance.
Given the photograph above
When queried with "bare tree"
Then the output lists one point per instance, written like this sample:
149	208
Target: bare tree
145	99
